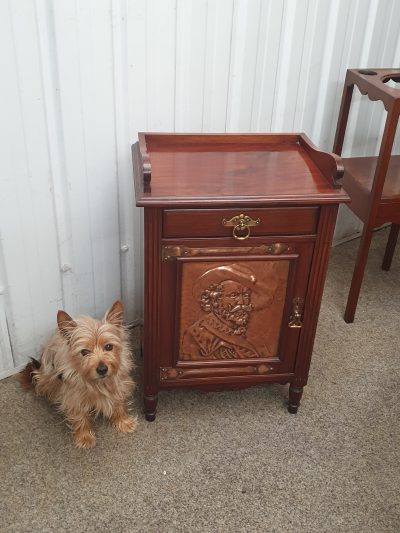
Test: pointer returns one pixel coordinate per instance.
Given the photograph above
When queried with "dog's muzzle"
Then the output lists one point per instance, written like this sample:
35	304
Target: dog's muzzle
102	370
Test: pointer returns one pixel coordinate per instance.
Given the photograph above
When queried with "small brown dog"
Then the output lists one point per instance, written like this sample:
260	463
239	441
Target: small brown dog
85	370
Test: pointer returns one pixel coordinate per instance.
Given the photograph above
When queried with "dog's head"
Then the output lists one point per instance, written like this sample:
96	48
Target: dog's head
95	347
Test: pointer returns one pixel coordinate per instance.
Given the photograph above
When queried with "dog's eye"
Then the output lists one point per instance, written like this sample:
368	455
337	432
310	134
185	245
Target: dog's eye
108	347
85	352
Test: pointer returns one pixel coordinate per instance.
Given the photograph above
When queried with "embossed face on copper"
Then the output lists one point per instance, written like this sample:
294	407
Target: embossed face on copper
234	304
234	294
230	301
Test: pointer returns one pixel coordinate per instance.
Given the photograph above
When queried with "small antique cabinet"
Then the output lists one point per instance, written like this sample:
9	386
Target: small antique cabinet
237	232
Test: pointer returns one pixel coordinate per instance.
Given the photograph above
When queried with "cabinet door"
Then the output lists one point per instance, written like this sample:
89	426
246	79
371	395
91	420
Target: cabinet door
231	313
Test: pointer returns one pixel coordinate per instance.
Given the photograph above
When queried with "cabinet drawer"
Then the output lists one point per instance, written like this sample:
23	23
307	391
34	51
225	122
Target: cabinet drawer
209	222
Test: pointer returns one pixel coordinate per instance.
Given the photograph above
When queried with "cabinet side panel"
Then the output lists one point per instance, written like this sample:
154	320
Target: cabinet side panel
313	299
152	280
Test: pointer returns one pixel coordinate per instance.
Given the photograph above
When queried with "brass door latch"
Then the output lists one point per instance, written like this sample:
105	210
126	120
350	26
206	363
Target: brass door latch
296	319
241	226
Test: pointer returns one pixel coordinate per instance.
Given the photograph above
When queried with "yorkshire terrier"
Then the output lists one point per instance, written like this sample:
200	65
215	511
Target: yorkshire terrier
85	371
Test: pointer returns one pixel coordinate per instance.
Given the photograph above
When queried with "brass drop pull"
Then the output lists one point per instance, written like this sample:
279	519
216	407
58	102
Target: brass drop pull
296	319
241	226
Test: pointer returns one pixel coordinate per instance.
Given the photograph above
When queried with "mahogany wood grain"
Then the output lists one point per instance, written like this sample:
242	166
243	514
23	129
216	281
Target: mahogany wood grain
144	159
343	117
358	182
330	165
193	182
372	83
313	298
373	183
214	141
152	285
391	245
208	222
295	394
214	383
225	169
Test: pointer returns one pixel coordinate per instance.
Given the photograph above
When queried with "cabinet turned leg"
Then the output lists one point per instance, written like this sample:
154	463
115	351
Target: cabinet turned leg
295	394
150	407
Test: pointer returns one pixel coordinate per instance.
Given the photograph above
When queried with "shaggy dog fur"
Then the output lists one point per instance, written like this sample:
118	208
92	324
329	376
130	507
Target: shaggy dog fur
85	371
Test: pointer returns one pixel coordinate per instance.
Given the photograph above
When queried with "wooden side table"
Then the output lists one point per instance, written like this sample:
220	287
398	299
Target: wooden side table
238	231
373	183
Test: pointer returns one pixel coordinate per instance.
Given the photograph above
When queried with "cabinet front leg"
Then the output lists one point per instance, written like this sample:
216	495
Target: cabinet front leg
150	406
295	394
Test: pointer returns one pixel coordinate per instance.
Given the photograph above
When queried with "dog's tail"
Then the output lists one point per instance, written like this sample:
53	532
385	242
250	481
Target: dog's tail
26	375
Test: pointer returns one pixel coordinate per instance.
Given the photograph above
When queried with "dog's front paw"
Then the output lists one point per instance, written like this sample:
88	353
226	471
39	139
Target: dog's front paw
125	424
84	440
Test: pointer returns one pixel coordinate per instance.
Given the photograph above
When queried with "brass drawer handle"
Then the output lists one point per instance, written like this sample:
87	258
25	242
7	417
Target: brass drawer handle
296	319
241	226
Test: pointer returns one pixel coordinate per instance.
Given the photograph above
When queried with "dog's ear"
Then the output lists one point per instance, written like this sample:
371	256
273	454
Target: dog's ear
115	315
66	324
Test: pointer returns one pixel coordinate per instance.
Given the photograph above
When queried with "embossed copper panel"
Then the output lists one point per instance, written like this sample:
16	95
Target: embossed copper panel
231	310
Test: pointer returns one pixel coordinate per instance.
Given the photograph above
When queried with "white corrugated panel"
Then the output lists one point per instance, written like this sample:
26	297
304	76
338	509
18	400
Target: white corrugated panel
80	79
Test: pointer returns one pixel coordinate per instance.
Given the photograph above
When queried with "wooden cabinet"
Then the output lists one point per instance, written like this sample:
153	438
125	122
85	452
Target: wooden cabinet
237	237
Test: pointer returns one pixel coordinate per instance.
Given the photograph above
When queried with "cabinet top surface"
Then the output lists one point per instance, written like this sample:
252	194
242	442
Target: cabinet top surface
178	169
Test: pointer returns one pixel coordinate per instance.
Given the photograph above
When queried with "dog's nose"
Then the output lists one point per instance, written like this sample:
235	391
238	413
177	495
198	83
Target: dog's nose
102	370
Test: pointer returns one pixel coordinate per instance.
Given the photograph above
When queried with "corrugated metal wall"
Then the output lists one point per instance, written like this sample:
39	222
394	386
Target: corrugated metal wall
80	78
